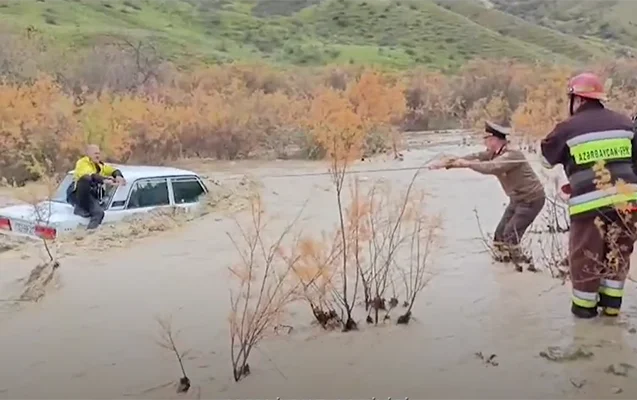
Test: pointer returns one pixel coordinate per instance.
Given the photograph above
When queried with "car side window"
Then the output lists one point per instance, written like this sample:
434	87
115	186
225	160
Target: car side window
149	193
187	190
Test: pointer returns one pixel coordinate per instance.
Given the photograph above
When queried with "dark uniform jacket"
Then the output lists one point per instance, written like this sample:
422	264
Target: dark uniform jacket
592	134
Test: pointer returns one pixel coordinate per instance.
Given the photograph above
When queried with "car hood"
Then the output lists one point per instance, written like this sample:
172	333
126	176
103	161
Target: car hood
48	212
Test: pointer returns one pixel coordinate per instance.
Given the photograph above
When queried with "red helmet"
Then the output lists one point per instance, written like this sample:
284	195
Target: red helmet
587	85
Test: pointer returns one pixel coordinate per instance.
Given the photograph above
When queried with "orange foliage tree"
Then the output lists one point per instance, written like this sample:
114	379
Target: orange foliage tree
339	130
36	121
341	122
495	109
238	111
546	104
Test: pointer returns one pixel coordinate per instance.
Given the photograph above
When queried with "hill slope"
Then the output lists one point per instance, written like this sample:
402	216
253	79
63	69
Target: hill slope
516	27
396	33
610	20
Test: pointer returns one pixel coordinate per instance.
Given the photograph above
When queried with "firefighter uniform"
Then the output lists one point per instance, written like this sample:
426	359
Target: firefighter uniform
601	234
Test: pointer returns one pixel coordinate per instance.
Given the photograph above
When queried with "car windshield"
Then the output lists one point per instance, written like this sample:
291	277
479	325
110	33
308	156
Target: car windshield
60	193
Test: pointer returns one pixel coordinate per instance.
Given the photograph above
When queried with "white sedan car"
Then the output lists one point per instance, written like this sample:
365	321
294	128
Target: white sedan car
147	188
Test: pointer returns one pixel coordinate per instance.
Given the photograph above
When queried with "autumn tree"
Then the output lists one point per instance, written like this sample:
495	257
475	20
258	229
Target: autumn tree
381	106
545	105
430	101
36	121
494	108
339	130
241	110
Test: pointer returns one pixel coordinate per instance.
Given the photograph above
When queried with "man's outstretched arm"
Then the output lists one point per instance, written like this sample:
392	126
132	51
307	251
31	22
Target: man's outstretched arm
553	147
500	165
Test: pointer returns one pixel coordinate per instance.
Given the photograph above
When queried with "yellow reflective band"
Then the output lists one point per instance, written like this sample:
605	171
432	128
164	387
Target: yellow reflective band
603	202
606	149
611	292
584	303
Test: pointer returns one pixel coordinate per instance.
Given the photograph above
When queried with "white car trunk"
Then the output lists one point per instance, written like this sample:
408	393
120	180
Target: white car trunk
24	218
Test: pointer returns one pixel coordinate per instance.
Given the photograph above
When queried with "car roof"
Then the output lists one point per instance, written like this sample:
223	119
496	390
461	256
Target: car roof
132	172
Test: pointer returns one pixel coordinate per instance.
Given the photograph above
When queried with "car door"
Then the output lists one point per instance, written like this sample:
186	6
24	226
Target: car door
145	195
187	191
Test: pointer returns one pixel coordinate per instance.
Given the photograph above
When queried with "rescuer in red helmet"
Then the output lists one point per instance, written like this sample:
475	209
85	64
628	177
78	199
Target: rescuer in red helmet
597	148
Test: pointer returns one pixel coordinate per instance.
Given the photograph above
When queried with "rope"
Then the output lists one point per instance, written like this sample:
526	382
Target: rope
372	171
366	171
508	162
376	170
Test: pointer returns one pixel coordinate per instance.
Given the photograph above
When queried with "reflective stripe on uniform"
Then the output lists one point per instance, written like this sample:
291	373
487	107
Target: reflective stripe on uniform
611	287
603	145
598	146
602	198
584	299
586	177
601	135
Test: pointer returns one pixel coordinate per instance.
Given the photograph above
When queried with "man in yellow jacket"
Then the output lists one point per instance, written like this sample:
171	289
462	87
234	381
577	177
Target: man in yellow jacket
89	177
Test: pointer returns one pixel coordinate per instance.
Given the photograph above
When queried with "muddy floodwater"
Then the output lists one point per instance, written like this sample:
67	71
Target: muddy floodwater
94	333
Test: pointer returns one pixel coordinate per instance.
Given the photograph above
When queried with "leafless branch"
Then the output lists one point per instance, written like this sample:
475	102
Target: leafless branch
167	341
264	288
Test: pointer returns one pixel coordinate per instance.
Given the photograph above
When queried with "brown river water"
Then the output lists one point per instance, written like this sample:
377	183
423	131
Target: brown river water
94	333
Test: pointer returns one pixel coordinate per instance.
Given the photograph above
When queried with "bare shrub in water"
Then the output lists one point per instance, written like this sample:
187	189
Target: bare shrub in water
548	236
423	238
390	240
315	270
500	255
264	289
618	234
552	237
381	224
167	341
341	124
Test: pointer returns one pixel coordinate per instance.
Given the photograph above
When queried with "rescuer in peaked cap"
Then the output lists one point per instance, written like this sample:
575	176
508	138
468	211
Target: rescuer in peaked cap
520	183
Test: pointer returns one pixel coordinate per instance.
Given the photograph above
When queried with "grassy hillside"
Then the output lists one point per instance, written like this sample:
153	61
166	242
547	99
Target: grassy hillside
611	20
391	32
509	25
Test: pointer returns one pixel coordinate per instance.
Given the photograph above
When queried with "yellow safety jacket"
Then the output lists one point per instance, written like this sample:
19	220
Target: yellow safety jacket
84	166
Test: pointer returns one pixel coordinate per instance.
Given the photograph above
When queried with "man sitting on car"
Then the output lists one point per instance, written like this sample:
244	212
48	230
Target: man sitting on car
89	177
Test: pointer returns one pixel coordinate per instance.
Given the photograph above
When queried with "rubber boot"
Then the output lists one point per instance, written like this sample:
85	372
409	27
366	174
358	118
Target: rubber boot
610	312
583	312
609	305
